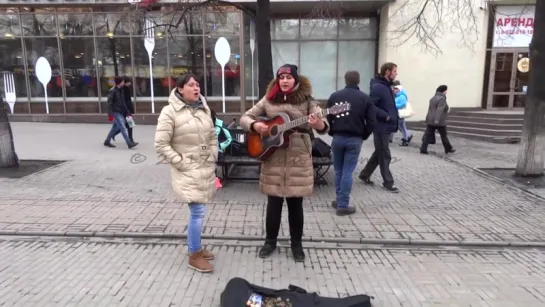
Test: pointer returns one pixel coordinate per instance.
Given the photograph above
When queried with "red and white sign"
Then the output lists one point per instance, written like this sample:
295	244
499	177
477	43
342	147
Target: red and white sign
514	26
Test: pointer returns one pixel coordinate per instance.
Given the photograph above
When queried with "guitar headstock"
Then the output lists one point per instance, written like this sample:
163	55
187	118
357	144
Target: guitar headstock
340	109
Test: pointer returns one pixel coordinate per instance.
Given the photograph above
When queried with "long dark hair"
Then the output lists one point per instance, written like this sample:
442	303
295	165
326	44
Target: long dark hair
213	115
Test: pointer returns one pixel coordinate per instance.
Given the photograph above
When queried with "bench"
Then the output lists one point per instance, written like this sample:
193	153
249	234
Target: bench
229	162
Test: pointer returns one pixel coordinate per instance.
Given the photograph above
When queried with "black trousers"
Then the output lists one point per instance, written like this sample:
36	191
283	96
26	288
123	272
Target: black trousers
274	217
381	157
430	133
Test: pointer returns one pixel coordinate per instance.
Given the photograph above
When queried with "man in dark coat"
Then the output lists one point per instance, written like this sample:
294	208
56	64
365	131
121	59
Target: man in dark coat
436	119
118	110
349	131
127	94
387	124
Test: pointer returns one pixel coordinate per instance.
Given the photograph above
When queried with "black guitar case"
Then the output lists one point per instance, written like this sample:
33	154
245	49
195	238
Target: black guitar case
238	292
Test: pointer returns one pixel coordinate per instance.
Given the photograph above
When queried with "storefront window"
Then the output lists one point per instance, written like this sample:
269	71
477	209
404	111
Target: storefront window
190	23
75	24
285	29
285	53
186	56
326	49
113	59
159	60
39	24
221	21
213	69
78	55
318	63
250	63
357	28
318	29
9	24
362	61
109	24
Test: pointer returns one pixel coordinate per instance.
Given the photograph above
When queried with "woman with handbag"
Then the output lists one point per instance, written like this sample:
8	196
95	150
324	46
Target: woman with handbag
404	110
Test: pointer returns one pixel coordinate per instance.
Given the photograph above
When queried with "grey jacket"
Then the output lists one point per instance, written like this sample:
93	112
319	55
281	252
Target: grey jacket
437	111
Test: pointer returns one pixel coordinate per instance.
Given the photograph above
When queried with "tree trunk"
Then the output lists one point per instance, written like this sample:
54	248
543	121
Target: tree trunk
8	157
263	42
530	158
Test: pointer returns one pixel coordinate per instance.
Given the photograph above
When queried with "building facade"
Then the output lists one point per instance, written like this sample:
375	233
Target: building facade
89	42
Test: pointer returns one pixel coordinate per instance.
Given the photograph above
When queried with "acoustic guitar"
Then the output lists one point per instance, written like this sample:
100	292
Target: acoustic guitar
279	129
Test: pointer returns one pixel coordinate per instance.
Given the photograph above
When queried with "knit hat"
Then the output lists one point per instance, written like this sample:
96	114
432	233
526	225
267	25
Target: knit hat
289	69
441	88
399	87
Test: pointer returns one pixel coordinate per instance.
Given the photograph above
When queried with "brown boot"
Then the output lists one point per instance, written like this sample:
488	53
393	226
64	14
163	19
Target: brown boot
198	263
206	254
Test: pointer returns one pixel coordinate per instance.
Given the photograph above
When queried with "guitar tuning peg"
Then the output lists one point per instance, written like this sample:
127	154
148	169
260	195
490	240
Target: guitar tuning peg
338	116
347	113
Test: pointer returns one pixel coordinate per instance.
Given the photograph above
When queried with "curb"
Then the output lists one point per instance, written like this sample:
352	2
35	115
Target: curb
485	175
363	241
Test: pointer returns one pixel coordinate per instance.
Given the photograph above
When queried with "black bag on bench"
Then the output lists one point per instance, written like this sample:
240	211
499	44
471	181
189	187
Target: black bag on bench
240	293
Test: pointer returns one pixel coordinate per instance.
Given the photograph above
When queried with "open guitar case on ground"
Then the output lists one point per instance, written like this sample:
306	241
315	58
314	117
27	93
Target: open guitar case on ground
240	293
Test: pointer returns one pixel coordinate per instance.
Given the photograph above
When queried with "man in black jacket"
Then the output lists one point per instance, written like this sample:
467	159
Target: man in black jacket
387	123
118	110
127	94
349	131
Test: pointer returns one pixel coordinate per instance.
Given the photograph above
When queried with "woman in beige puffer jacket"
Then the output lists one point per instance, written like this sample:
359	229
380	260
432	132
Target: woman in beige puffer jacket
288	172
185	138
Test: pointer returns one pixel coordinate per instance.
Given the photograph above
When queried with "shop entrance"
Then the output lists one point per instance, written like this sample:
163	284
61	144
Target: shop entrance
508	79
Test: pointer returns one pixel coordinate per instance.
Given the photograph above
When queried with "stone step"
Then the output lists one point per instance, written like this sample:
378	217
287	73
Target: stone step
485	114
478	136
494	126
487	120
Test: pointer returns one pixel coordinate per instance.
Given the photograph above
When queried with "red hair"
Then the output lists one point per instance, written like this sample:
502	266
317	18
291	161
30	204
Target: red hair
273	91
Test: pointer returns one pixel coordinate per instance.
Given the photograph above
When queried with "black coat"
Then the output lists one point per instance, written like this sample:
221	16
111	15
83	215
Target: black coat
127	94
361	118
116	101
384	99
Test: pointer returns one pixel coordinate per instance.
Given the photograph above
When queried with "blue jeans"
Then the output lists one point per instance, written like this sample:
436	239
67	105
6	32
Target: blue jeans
346	152
403	128
118	125
194	228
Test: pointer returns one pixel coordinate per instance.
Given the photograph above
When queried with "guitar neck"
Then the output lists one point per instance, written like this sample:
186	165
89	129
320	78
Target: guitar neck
301	121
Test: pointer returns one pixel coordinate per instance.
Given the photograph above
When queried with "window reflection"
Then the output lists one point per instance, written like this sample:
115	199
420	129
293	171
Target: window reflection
285	29
190	23
350	60
9	25
353	28
109	24
318	28
221	21
39	24
113	59
213	70
11	61
159	66
48	48
186	56
75	24
78	56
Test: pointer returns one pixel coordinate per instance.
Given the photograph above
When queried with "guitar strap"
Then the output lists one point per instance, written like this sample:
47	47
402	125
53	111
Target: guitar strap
310	131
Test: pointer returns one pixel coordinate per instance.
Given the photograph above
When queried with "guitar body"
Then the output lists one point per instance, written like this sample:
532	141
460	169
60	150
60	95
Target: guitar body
263	146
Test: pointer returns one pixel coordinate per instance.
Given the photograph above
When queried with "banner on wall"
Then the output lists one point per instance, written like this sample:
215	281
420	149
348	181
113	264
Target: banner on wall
514	26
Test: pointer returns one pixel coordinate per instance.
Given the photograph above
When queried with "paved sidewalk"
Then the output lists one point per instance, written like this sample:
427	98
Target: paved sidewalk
100	190
49	273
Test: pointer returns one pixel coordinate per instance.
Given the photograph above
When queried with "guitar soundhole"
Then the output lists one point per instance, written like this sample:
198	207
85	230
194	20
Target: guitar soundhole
274	131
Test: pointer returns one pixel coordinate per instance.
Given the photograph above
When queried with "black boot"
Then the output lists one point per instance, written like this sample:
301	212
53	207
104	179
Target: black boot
267	249
297	251
130	135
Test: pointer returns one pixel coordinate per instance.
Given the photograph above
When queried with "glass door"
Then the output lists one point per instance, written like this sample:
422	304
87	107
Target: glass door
520	79
508	79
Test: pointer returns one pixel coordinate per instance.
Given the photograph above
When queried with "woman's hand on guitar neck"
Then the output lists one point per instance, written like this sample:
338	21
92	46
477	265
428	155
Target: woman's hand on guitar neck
260	128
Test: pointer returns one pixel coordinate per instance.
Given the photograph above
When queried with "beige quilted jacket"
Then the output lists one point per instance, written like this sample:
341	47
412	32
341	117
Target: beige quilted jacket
185	138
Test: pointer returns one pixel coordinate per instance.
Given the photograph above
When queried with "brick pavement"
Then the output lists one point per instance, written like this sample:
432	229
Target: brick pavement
475	154
100	190
64	273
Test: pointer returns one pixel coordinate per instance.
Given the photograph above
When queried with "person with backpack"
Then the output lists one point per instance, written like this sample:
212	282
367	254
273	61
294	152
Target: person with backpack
223	134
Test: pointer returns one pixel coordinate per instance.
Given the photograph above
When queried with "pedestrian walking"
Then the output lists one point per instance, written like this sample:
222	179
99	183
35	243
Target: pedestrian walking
127	95
436	119
404	110
117	109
